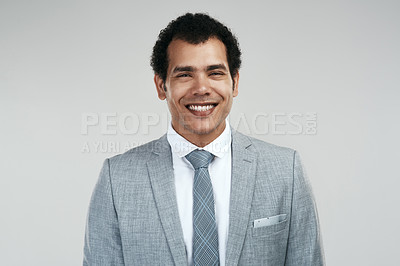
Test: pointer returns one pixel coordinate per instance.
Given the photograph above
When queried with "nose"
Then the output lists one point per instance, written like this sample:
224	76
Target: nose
201	86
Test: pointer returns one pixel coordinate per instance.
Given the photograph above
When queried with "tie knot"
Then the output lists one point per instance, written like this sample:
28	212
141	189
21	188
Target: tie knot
199	158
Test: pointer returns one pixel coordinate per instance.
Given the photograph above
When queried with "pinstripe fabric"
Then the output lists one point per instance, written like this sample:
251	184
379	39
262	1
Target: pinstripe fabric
205	234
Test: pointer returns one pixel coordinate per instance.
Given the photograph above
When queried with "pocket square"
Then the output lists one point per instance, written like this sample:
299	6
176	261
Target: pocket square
269	220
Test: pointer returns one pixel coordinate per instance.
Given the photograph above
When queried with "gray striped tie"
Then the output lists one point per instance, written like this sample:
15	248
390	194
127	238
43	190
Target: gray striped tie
205	234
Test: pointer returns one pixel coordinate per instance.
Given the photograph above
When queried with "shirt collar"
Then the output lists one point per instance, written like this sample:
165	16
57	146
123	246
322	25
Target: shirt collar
218	147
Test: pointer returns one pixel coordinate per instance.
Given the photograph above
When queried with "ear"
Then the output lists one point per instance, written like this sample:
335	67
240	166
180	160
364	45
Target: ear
236	84
159	82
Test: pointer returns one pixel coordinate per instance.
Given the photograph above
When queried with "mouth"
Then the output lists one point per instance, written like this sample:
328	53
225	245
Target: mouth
201	109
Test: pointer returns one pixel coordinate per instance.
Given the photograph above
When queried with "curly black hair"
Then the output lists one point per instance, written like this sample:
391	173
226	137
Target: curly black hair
194	28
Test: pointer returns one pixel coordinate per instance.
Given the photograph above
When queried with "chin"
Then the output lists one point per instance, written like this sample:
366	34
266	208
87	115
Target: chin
202	128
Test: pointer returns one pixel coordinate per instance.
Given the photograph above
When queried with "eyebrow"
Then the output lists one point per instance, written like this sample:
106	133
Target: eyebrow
214	67
192	69
183	69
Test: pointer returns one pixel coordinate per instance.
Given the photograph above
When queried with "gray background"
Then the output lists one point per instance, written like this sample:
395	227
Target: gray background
62	59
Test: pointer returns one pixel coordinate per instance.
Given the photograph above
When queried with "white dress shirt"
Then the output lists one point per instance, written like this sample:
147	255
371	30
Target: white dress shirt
220	174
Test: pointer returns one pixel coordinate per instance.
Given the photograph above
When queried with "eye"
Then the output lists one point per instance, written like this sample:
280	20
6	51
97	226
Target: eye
183	75
216	73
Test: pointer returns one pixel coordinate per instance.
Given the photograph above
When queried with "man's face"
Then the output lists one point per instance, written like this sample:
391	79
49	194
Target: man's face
199	89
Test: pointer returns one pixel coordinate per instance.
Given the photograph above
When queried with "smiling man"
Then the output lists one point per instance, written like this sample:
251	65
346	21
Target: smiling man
201	89
203	194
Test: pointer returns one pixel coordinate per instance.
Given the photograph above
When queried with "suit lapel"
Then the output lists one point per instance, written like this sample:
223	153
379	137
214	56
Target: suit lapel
242	187
161	175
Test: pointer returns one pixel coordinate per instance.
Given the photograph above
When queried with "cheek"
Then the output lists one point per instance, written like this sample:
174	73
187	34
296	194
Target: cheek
174	101
175	93
223	87
226	94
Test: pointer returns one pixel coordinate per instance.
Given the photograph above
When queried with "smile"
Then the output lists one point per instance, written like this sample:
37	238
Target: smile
200	108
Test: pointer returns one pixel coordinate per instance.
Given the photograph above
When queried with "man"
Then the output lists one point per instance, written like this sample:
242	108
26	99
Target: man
203	194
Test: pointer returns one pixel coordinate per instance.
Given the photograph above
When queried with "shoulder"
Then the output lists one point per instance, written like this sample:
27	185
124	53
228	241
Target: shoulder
139	155
264	149
271	158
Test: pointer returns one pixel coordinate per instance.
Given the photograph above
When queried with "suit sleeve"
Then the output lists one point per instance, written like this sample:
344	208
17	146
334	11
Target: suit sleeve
102	238
304	243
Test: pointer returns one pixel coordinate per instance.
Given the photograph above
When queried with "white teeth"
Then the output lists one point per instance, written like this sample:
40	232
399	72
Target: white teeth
200	108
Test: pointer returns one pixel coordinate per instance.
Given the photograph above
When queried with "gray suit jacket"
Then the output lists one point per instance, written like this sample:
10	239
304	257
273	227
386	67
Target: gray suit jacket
133	215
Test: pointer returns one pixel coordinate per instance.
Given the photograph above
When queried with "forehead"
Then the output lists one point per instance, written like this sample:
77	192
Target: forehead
182	53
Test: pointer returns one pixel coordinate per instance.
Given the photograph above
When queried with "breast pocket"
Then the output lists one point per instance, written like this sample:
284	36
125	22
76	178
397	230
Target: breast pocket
269	225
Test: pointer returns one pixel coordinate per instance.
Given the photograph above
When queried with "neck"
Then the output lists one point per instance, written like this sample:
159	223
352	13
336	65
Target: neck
198	139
